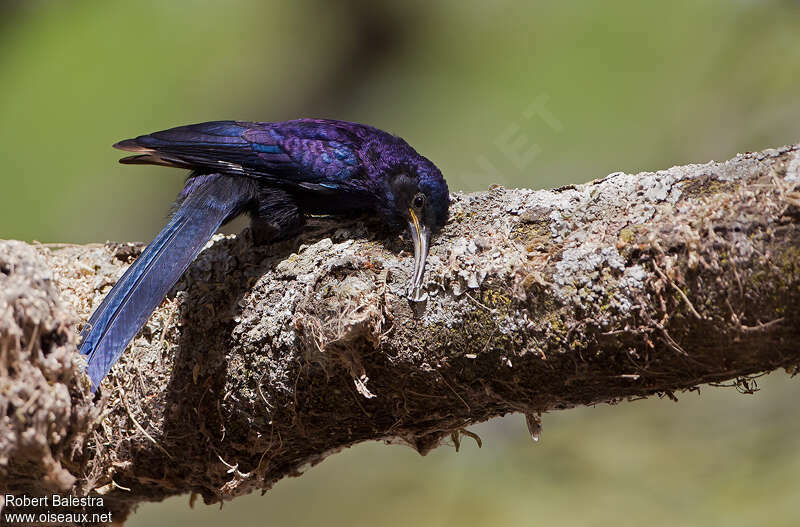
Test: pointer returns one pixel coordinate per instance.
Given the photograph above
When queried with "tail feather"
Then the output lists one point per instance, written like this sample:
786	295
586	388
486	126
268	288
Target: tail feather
211	200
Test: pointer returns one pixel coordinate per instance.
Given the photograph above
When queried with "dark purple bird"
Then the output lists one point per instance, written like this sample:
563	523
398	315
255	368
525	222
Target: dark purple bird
277	173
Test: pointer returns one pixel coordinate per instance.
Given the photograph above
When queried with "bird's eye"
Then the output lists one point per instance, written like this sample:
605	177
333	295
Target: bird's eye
419	201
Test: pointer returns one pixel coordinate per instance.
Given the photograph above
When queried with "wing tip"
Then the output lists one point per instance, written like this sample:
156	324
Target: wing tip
155	159
131	145
143	159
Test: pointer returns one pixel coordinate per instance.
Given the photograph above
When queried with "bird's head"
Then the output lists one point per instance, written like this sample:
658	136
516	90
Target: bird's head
420	200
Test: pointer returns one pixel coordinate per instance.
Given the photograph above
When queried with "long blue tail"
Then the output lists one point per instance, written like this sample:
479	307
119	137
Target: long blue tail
208	200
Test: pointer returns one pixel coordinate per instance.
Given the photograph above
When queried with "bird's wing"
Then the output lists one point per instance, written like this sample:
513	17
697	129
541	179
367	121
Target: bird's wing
299	152
144	285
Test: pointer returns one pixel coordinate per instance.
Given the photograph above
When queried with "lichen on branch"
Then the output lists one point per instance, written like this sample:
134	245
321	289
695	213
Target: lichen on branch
266	359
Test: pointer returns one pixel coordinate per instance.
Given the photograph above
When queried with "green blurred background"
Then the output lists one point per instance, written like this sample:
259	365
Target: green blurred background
534	94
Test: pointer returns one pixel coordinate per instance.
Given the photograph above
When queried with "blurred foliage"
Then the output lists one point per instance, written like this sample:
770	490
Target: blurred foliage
534	94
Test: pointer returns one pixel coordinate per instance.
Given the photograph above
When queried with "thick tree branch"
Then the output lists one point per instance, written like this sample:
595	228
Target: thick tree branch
268	359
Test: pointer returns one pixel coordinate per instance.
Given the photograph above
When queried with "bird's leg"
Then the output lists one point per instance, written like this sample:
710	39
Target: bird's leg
276	216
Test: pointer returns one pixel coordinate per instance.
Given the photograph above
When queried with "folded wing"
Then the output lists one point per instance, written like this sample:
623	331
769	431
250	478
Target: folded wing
287	153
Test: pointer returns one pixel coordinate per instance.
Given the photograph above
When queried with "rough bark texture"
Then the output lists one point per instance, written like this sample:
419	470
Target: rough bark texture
265	360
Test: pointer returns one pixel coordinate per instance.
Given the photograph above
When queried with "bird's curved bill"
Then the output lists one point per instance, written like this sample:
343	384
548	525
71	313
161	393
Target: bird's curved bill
420	235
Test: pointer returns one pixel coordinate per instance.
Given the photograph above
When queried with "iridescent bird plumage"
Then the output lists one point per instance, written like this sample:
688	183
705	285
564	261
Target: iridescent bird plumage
277	173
